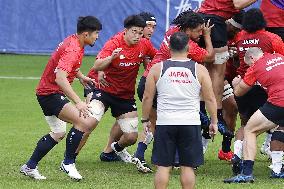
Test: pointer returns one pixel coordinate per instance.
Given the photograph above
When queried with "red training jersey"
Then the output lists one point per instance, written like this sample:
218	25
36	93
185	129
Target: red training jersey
195	52
68	57
269	73
122	72
272	14
268	42
222	8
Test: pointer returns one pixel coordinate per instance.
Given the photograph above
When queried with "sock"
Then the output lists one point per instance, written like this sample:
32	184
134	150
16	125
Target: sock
276	157
202	107
220	115
117	147
238	148
76	154
248	166
73	140
267	139
141	148
44	145
226	143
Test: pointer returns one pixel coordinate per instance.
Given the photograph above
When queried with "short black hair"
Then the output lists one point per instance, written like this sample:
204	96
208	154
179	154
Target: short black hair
239	17
188	19
134	21
178	41
147	16
253	20
88	23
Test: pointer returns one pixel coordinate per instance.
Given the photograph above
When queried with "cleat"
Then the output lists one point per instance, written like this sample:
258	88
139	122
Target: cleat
227	156
71	171
124	155
143	167
33	173
222	128
240	178
109	157
237	165
277	175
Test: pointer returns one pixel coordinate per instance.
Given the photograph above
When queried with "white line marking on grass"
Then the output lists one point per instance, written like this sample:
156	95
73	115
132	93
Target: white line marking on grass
21	78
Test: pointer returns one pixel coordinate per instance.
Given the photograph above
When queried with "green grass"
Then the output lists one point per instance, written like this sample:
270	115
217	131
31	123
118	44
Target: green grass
22	124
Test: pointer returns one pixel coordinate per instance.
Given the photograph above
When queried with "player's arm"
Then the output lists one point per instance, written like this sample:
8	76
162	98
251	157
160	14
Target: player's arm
241	88
148	96
277	44
209	56
240	4
209	97
103	63
84	80
150	90
207	92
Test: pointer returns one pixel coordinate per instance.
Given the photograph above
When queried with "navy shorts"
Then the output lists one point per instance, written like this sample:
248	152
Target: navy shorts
273	113
186	139
218	32
117	105
52	104
251	101
140	91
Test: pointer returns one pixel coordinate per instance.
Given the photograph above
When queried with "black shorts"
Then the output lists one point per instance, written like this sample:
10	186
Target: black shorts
218	32
52	104
91	88
273	113
251	101
278	31
186	139
140	91
117	105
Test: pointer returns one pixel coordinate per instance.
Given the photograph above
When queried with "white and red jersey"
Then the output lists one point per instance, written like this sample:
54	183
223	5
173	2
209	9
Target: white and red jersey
266	41
195	52
68	57
222	8
269	73
272	14
122	72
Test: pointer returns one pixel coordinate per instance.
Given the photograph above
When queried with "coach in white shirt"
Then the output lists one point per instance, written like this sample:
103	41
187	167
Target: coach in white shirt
179	83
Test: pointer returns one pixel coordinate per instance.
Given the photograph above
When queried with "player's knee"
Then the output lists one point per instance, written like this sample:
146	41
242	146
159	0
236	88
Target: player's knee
128	125
97	109
131	138
57	127
58	136
278	135
221	57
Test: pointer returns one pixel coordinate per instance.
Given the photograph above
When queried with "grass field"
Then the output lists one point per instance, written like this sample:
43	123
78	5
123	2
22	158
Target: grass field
22	124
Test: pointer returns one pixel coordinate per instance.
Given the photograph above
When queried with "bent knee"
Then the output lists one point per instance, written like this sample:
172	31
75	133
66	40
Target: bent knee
57	136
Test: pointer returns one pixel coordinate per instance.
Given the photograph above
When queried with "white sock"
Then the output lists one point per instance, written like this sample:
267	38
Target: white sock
267	140
238	148
276	157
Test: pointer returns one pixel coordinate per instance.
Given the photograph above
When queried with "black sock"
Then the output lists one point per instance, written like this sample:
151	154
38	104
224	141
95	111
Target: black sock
117	147
248	166
220	115
73	140
226	143
202	107
44	145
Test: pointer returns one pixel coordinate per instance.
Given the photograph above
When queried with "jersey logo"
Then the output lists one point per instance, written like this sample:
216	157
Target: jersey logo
98	94
134	106
140	54
121	56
